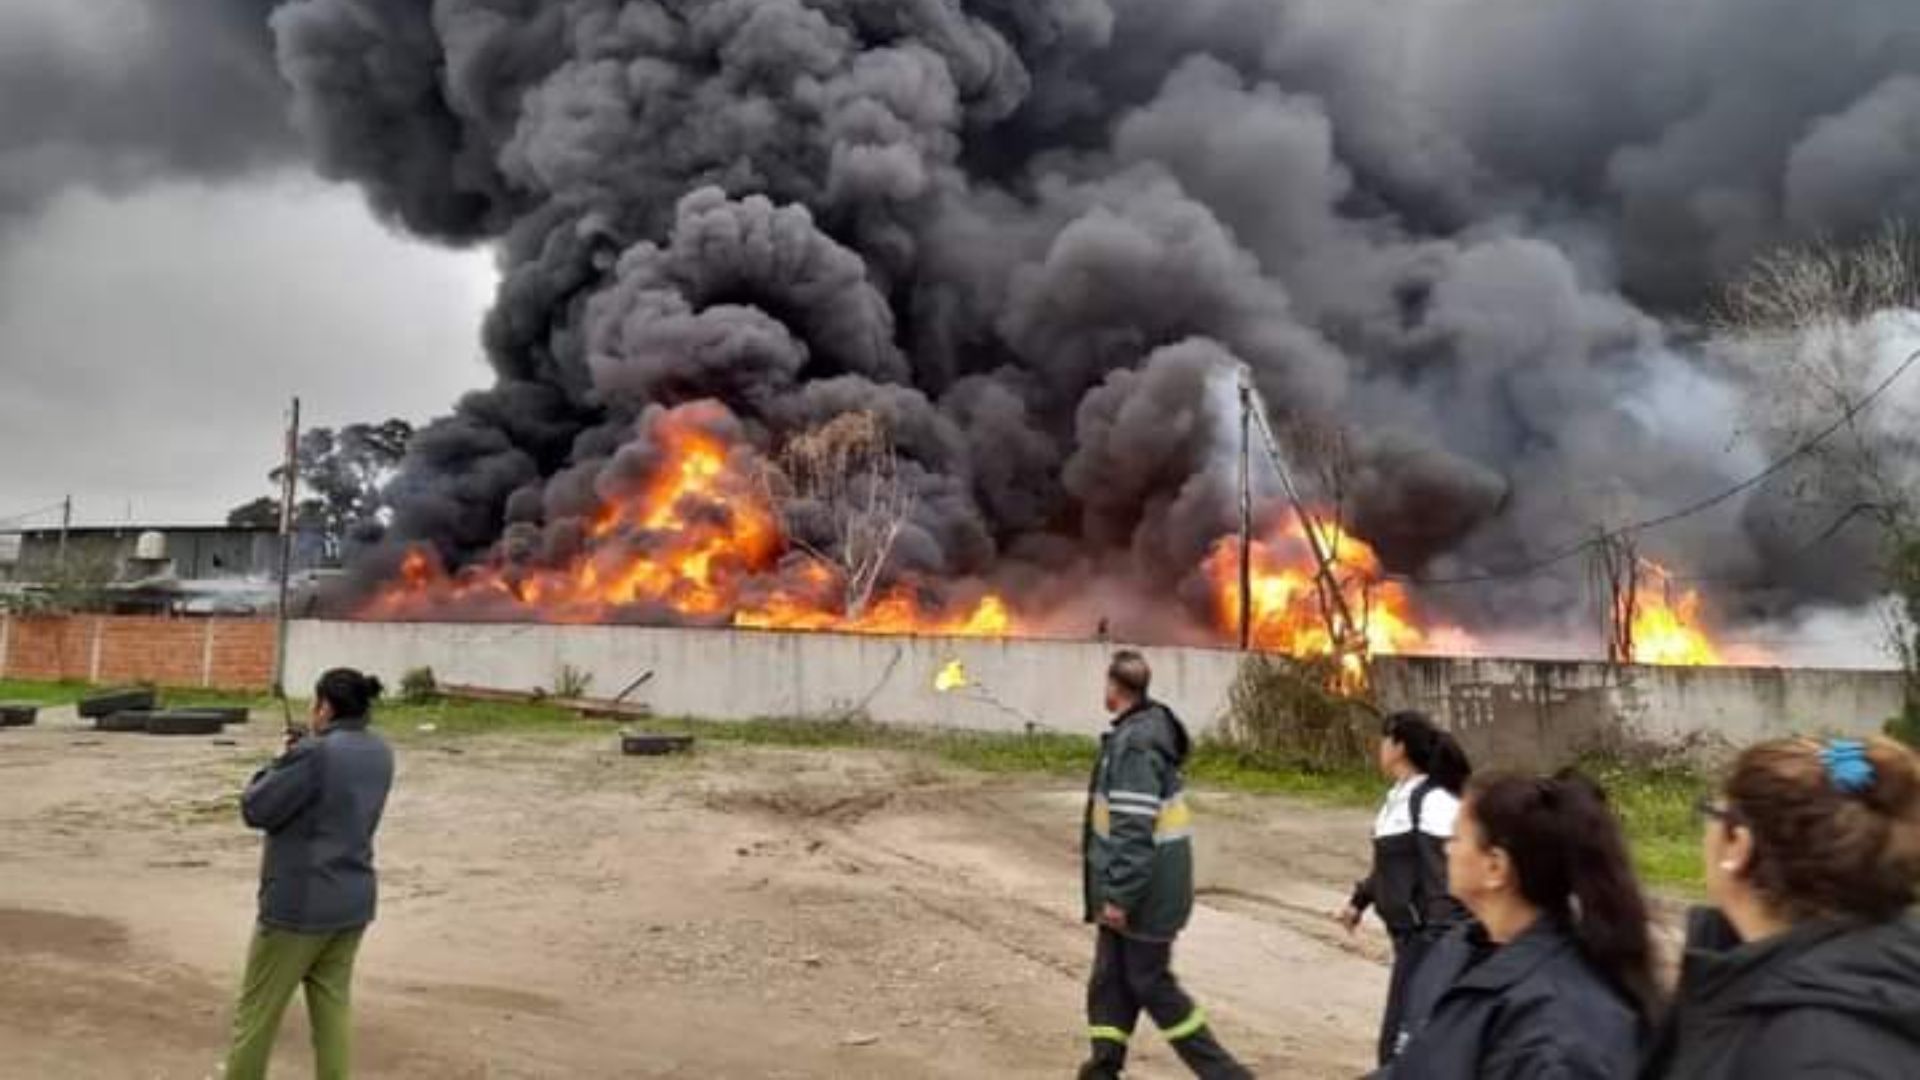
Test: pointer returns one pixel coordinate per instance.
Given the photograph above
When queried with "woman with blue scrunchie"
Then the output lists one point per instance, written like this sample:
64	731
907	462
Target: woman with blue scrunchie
1809	966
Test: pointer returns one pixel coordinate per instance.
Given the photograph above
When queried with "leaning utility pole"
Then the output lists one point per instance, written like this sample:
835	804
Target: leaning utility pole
1346	633
289	490
1246	510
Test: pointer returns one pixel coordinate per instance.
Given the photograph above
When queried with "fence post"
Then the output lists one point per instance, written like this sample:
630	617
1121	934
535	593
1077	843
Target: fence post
206	656
99	640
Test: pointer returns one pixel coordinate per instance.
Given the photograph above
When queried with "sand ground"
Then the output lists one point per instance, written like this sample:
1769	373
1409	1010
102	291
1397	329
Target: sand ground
552	909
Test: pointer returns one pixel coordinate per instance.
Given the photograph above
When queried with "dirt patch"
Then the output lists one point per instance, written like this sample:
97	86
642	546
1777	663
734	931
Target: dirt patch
70	937
553	909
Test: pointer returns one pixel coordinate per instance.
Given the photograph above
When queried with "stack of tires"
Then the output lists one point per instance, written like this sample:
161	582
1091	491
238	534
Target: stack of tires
139	711
18	715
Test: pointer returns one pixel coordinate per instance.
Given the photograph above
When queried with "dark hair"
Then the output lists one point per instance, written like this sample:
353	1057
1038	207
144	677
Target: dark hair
1571	860
1820	851
1129	671
1431	750
350	693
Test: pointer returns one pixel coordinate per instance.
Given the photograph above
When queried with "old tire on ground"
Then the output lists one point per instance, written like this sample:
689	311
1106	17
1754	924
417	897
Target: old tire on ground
96	706
228	714
655	745
185	722
124	723
18	715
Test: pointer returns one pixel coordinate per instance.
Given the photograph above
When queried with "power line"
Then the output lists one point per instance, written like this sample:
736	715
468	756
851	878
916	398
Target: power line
20	519
1534	567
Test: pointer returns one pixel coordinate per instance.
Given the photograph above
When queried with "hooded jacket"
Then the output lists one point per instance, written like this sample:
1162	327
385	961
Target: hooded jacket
1826	999
1532	1009
1138	832
319	805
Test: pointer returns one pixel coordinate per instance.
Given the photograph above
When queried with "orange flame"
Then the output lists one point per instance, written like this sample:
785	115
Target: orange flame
697	540
1286	611
1667	630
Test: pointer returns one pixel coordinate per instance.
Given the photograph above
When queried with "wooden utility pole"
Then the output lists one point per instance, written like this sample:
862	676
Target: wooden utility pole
289	491
1246	510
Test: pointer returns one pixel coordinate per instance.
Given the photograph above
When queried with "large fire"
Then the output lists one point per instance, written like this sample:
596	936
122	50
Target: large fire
1290	614
1667	627
697	541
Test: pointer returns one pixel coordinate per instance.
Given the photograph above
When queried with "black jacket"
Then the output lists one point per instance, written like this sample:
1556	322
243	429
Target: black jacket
1407	883
1824	999
320	805
1529	1010
1137	837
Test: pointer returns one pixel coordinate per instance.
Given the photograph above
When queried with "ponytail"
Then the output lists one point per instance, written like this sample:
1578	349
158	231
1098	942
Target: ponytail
1432	751
1571	860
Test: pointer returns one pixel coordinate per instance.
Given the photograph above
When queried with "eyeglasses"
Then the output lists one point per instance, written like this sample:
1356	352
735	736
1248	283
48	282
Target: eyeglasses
1709	810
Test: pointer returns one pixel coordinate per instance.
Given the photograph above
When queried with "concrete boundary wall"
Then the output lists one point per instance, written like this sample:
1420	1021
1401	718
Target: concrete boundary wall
1507	711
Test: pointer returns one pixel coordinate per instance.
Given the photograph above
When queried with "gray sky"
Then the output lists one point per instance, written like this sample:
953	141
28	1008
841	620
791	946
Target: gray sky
172	272
149	340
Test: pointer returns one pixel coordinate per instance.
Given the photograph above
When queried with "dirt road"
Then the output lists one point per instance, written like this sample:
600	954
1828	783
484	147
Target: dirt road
551	909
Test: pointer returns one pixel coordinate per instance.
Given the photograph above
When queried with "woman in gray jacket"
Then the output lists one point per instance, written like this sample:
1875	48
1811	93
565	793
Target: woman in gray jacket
320	805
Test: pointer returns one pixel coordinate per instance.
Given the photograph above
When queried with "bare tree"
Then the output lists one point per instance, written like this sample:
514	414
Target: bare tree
843	502
1817	328
1826	328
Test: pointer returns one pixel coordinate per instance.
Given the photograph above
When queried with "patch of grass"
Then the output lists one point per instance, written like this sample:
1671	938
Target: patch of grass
42	693
1044	753
68	693
1220	765
478	718
1656	807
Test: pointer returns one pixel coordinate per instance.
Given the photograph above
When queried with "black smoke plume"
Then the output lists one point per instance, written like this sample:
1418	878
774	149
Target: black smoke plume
1037	236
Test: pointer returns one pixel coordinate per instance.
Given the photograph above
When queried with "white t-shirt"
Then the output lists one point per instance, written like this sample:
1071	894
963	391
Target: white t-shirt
1437	810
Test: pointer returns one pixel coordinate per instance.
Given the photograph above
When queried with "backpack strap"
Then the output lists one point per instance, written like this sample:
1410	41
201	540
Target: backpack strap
1429	871
1417	799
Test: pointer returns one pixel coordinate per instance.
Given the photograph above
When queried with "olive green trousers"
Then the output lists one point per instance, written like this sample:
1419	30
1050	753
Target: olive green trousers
278	963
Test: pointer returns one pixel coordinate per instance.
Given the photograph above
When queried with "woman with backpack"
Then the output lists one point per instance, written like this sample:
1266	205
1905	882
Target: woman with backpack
1408	882
1808	964
1555	978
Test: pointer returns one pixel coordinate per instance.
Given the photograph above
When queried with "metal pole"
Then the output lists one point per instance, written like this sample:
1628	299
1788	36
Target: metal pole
66	525
289	490
1339	615
1246	511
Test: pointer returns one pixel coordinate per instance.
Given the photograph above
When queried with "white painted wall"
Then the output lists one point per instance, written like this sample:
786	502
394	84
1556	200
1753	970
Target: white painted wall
1518	710
748	674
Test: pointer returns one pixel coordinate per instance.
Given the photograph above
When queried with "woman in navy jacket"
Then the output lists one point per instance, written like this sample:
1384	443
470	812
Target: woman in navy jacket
1808	963
1556	980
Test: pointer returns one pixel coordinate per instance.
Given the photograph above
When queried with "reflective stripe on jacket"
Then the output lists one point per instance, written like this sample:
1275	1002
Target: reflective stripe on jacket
1139	829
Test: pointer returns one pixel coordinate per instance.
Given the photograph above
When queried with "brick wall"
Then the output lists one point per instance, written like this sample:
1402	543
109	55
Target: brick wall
229	654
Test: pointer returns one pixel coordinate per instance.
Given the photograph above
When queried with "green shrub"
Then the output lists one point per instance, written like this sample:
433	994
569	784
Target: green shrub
1294	714
419	687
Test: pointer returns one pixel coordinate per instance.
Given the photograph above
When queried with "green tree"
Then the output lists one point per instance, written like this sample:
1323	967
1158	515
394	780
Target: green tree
343	476
261	513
